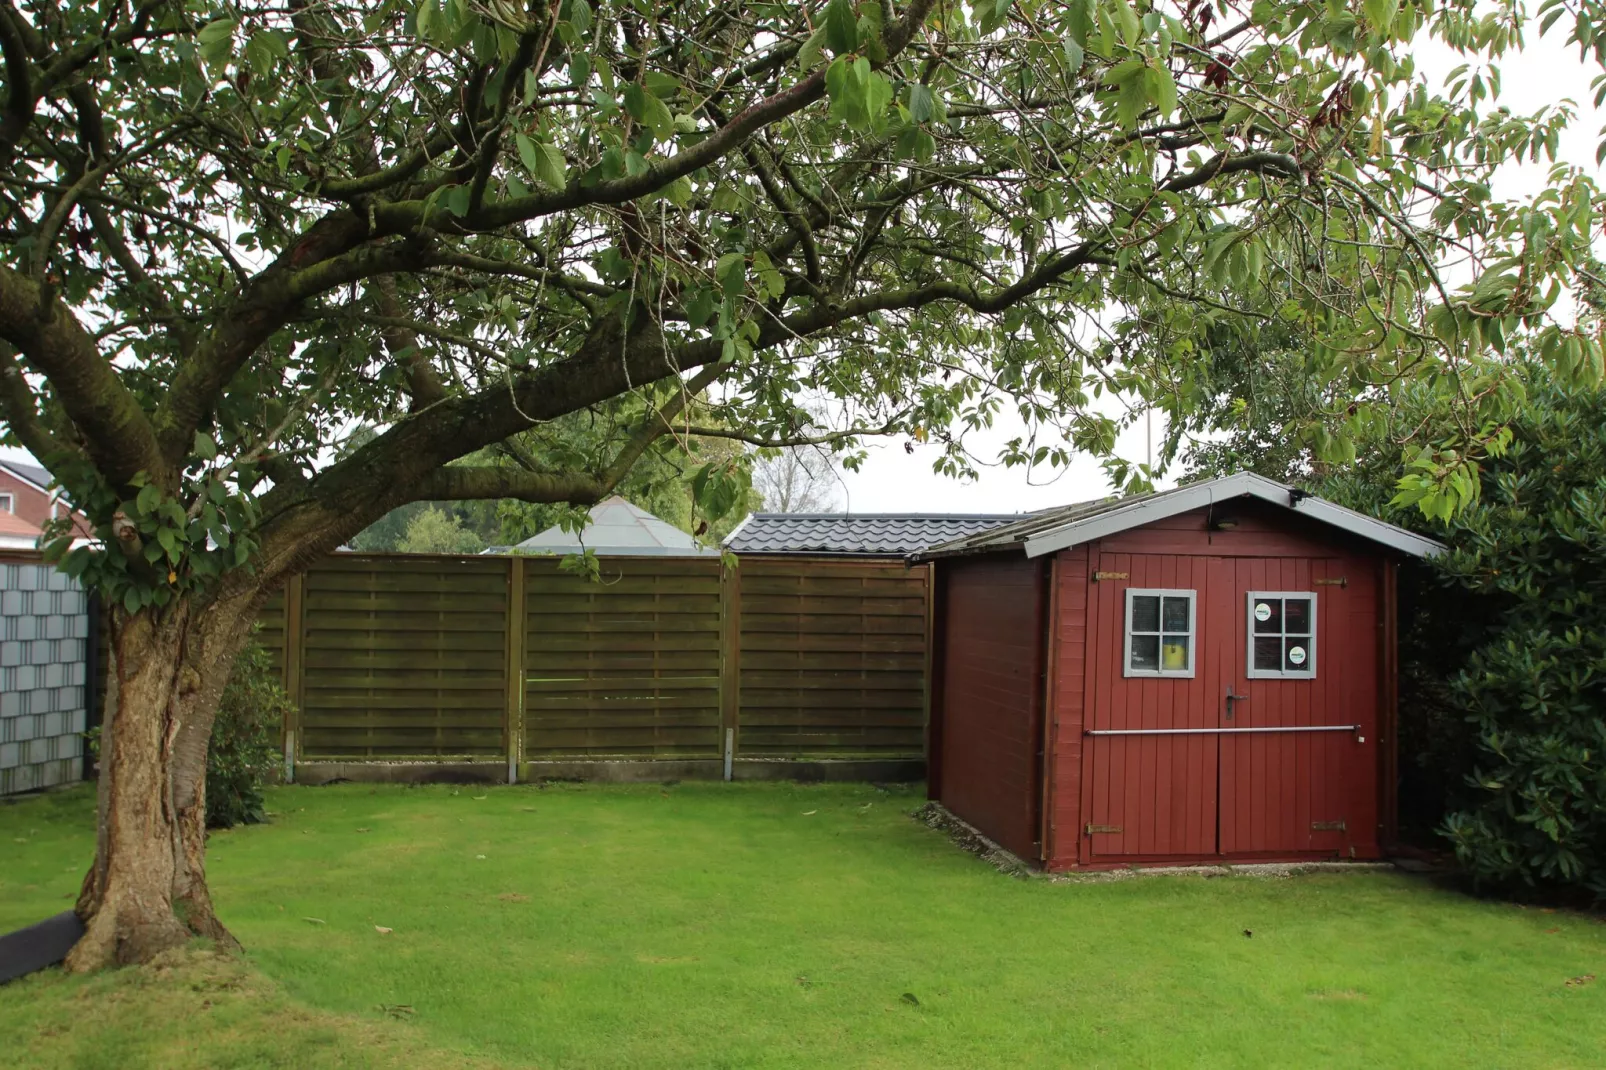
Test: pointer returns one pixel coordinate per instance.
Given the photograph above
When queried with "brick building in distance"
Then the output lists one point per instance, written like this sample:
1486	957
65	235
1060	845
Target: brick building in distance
26	494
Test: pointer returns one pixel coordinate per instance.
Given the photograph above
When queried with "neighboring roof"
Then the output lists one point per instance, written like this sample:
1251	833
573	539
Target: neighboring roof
28	473
618	528
867	534
16	533
1057	529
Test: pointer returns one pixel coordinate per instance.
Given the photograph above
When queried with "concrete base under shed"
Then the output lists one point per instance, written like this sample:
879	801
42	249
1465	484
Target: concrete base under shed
611	772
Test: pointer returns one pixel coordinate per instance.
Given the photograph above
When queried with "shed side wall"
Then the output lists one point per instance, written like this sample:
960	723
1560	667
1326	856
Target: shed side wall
990	692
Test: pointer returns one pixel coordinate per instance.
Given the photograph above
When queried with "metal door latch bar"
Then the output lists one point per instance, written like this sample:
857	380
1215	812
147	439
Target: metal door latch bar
1097	576
1219	731
1116	829
1327	826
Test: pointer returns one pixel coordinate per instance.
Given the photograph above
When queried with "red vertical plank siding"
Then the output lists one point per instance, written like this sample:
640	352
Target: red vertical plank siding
1232	797
1066	707
991	693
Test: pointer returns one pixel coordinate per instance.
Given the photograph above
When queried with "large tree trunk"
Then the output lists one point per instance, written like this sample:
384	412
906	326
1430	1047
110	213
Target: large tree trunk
146	891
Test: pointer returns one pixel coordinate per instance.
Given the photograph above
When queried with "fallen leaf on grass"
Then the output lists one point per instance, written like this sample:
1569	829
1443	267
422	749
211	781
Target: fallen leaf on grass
1552	930
315	921
479	856
479	798
910	998
382	930
397	1010
810	813
364	830
513	897
1580	982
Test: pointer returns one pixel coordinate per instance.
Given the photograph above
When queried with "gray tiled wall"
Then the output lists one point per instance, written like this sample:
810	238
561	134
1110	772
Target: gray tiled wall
44	632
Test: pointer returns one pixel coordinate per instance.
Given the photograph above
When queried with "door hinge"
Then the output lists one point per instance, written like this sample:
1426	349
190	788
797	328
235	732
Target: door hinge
1327	826
1341	581
1097	576
1115	829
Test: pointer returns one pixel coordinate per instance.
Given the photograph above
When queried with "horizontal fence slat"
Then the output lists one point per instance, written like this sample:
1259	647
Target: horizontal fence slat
404	656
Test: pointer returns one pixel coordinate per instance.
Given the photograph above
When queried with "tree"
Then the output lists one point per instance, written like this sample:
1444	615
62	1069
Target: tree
433	531
798	479
235	230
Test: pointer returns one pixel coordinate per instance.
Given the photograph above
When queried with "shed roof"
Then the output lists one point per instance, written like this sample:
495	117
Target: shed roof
856	534
1058	529
619	529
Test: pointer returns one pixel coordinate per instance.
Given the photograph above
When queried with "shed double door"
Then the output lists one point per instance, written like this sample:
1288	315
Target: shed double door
1175	769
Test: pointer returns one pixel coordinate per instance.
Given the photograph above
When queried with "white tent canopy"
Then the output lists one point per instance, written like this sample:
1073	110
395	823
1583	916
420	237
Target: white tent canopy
618	529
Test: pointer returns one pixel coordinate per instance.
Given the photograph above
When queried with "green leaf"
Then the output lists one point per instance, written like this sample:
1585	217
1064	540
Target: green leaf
527	153
1126	20
1075	56
1161	87
841	26
550	166
921	103
772	283
700	309
813	50
731	271
204	447
877	95
216	40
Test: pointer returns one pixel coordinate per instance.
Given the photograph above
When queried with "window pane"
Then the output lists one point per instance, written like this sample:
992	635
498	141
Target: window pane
1175	618
1298	659
1174	653
1269	654
1268	616
1296	616
1145	612
1146	652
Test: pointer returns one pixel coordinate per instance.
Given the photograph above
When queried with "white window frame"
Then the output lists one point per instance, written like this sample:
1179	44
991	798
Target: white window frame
8	502
1308	673
1193	633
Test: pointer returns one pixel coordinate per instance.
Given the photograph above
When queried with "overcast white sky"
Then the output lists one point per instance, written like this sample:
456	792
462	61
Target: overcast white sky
893	480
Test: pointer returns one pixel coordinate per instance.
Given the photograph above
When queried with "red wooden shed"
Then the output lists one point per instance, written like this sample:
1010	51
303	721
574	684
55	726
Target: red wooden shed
1205	674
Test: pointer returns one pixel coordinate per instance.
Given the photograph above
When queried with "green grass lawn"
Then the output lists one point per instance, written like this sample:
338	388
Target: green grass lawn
716	925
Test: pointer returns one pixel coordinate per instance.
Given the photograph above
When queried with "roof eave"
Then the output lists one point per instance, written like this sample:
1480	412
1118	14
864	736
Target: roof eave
1241	485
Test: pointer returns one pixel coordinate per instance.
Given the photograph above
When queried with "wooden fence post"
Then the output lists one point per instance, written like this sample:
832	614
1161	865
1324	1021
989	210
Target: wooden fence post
294	647
514	730
730	663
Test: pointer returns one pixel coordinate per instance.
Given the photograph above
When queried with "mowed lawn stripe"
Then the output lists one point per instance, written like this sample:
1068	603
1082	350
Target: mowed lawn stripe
818	925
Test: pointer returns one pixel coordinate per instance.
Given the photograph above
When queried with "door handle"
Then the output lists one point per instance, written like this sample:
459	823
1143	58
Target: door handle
1231	698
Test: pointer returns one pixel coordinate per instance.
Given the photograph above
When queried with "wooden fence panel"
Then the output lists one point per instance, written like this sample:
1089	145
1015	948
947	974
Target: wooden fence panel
629	667
270	630
405	656
832	659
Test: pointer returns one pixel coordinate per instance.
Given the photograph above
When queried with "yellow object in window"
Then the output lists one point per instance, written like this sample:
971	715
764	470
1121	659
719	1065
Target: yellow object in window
1174	656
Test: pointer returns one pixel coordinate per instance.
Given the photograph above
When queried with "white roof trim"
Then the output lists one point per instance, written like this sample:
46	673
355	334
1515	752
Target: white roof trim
1243	484
737	530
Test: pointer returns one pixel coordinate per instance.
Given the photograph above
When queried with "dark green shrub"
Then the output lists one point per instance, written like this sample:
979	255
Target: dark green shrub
245	748
1503	650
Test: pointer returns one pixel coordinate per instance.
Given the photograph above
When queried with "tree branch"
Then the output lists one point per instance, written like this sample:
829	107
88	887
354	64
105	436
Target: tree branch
118	436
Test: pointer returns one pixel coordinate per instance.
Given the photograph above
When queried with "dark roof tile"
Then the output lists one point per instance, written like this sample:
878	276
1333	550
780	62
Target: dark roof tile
861	534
